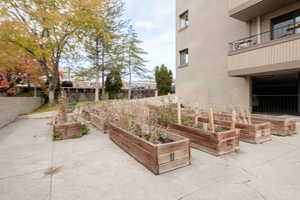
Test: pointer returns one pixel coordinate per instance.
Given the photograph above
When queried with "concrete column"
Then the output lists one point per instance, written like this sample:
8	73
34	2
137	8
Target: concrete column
35	92
298	95
258	24
249	79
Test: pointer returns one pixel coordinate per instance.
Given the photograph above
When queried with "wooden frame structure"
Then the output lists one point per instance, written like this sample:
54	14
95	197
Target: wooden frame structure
213	143
158	158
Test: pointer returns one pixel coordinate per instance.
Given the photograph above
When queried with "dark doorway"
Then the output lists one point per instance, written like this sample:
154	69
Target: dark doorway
275	94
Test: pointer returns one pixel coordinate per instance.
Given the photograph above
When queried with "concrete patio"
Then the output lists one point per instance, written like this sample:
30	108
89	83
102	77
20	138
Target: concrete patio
93	167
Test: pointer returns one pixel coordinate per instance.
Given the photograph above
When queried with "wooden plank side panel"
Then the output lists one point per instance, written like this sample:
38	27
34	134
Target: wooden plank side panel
179	163
98	122
151	148
165	158
197	139
170	155
214	143
141	155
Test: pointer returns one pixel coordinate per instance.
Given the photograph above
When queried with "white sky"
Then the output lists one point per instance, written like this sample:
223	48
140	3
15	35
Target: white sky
154	21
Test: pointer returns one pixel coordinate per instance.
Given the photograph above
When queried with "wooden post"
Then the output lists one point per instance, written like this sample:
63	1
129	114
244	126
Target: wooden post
178	111
211	120
249	117
243	114
196	118
233	119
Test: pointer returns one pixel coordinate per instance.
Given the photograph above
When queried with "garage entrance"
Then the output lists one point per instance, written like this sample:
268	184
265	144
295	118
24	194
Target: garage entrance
275	94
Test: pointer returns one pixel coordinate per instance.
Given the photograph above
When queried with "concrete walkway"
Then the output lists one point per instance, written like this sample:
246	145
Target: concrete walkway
94	168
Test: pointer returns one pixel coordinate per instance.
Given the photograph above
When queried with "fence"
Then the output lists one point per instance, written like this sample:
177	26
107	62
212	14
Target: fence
287	104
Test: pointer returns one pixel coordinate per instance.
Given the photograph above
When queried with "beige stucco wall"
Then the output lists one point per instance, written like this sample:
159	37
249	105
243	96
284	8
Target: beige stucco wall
11	107
205	80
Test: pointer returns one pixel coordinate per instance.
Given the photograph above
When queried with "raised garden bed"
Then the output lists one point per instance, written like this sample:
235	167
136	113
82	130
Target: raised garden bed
98	122
256	133
68	130
215	143
279	125
158	158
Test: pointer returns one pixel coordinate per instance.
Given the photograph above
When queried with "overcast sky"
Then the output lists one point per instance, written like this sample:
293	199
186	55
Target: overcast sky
154	21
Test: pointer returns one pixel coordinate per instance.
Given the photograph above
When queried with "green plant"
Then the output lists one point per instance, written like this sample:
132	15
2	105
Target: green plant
56	134
163	136
164	79
84	129
76	136
222	129
113	84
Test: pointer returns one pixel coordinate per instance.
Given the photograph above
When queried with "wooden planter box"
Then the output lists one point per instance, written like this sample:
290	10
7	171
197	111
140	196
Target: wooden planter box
158	158
99	123
279	125
67	130
251	133
214	143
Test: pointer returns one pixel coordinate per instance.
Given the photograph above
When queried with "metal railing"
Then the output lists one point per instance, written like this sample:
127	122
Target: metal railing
265	37
287	104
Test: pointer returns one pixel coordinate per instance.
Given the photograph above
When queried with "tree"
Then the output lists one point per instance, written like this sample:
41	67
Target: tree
17	68
113	83
46	29
101	42
132	54
164	80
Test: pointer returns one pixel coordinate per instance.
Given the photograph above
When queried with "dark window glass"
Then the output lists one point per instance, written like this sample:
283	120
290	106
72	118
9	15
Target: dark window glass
184	19
184	57
286	25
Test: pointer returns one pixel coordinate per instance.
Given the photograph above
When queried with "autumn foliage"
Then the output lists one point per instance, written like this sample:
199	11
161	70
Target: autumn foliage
17	68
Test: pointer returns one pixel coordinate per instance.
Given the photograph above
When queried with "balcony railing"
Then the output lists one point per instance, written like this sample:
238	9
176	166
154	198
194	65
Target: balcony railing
265	37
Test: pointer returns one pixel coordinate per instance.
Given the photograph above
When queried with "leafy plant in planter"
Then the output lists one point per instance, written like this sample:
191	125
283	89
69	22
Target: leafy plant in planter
57	134
66	125
84	129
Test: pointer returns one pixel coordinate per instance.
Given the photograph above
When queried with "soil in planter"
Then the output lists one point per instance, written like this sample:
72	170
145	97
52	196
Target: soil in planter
165	141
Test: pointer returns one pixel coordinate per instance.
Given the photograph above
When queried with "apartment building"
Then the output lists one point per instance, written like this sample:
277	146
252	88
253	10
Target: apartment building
239	52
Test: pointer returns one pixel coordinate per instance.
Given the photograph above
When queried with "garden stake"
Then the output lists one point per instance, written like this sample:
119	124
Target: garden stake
233	119
178	111
211	120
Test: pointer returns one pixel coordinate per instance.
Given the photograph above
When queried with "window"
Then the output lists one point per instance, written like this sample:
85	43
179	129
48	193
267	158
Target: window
184	57
184	19
286	25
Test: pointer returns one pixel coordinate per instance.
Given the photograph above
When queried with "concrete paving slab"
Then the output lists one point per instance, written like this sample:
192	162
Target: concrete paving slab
26	187
93	167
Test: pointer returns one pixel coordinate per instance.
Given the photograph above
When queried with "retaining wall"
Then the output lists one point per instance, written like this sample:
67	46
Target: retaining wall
11	107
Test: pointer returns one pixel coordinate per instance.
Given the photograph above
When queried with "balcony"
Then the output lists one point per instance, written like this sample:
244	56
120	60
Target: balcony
245	10
276	50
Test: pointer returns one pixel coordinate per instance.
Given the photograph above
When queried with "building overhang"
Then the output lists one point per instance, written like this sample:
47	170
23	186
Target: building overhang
293	66
249	9
274	56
